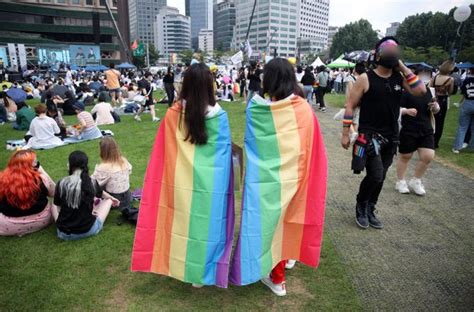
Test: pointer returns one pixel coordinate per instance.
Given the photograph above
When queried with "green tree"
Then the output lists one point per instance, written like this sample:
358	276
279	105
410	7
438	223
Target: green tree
186	55
467	54
154	54
354	36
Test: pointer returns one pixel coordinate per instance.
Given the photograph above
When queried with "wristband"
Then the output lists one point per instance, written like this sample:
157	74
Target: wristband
347	120
413	80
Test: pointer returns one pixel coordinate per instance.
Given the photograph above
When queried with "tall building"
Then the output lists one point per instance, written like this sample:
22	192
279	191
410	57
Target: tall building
392	30
49	27
313	30
206	40
201	13
172	31
332	31
224	24
279	21
142	16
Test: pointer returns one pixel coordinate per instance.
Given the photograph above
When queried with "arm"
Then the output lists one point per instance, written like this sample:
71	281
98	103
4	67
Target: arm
411	83
48	182
360	87
115	201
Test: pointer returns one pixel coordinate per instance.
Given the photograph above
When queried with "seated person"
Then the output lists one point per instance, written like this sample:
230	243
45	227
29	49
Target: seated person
96	86
76	214
66	103
10	106
3	114
87	128
24	116
113	173
43	131
54	113
103	111
24	191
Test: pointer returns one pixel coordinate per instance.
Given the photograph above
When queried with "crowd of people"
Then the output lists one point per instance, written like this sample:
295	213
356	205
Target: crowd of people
389	108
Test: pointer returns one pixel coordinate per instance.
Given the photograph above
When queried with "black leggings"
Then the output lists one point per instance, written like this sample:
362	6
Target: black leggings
439	118
320	96
169	88
376	167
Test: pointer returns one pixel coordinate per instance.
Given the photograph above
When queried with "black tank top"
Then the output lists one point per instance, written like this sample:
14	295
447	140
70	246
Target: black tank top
380	105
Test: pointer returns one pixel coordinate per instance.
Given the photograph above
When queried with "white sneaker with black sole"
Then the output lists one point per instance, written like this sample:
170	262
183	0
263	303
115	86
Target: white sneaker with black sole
277	289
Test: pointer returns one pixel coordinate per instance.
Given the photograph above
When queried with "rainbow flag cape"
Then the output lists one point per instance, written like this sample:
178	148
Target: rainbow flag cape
284	189
186	220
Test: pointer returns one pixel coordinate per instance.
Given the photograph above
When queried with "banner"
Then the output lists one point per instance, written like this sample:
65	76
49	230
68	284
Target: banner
83	55
140	50
4	57
13	58
22	55
54	57
237	58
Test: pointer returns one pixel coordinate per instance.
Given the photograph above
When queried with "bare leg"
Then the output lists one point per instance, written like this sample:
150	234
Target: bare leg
152	111
426	156
402	165
102	209
113	99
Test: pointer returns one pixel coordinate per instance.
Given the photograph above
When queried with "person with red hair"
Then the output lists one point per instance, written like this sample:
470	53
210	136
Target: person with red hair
24	191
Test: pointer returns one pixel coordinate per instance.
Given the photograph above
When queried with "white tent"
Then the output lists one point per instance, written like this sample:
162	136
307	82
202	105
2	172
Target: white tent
317	62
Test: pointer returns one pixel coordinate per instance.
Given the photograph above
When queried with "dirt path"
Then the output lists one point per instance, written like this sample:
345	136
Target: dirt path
424	258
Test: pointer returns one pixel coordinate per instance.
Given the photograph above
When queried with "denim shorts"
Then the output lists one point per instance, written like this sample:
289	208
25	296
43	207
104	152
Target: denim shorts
94	230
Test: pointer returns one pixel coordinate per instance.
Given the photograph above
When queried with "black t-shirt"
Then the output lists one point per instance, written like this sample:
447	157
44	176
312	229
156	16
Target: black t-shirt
254	80
467	88
420	125
380	105
145	84
308	80
75	221
39	204
168	78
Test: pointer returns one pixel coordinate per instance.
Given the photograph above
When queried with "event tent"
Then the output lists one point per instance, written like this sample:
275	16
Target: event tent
340	63
464	65
125	66
317	62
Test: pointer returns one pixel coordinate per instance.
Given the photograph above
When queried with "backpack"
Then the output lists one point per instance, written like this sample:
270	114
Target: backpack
444	88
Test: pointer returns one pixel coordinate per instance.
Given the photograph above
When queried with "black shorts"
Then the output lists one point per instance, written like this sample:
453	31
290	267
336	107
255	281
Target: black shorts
409	143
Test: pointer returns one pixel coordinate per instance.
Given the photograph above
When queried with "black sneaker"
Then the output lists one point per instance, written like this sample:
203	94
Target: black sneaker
373	221
361	215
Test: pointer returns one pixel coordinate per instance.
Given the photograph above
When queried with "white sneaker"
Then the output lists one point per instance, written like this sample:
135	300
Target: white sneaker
278	289
455	151
137	118
198	285
156	119
402	187
464	145
417	186
290	264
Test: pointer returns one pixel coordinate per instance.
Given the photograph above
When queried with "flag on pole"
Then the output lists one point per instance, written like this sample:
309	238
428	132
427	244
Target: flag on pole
249	48
135	44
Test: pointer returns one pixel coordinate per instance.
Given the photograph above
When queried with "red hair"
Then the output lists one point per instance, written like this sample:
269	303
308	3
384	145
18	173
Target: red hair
20	182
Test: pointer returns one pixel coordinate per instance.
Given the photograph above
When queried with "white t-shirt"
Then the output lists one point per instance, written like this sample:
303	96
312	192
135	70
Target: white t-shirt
43	130
104	113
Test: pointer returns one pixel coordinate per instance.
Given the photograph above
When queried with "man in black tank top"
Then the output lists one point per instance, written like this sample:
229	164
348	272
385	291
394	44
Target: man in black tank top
378	94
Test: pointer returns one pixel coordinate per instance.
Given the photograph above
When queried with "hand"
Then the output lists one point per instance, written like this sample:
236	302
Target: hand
434	106
411	112
345	141
115	202
403	69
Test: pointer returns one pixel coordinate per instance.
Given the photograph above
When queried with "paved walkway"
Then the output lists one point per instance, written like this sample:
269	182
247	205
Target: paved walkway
424	258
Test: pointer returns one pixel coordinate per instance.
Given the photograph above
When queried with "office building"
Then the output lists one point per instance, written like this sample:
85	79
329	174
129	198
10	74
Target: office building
172	31
206	40
201	13
142	16
276	21
313	28
224	24
392	30
332	31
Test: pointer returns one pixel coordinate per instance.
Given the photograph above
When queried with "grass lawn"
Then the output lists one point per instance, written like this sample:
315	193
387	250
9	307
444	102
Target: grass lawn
464	161
40	273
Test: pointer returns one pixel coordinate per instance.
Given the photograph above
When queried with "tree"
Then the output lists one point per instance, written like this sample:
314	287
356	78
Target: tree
354	36
154	54
186	56
431	55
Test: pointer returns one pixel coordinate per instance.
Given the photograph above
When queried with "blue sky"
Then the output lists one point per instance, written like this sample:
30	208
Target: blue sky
380	13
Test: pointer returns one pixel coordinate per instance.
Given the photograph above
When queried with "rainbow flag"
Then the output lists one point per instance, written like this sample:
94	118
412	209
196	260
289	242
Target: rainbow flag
186	220
284	189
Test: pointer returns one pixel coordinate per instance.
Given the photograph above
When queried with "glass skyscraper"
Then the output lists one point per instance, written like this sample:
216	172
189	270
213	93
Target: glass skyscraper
201	13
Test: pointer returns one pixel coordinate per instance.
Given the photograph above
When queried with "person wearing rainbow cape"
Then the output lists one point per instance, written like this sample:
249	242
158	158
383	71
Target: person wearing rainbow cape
186	221
284	191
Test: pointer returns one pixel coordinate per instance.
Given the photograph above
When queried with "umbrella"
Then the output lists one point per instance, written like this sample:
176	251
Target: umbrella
358	56
465	65
419	65
6	83
125	66
17	94
340	63
317	62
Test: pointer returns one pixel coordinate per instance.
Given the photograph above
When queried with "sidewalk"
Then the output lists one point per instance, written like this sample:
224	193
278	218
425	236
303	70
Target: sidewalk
424	258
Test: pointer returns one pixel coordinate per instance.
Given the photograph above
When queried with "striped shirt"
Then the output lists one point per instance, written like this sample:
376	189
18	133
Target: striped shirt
86	117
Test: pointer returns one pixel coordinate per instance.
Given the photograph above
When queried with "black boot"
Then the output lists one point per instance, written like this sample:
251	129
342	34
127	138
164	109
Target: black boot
373	221
361	215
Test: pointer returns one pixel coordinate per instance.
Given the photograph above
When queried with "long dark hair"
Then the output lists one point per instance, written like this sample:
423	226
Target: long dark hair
198	92
78	161
279	80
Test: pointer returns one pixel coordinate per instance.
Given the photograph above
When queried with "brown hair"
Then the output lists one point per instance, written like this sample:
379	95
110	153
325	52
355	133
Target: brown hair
40	109
110	152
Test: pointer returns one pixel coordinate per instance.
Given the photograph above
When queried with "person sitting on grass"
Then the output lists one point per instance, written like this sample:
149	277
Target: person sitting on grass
43	131
54	113
77	215
87	128
24	116
113	173
103	111
24	191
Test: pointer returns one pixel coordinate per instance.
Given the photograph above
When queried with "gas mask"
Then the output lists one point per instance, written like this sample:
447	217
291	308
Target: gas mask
388	61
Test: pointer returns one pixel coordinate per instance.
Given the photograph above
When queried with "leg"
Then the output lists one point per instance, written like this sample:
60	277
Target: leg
387	154
112	95
152	112
439	119
323	92
55	212
466	114
402	165
101	210
426	156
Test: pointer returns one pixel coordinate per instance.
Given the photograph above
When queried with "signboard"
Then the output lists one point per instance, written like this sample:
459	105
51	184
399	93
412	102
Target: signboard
54	57
237	58
13	58
83	55
22	56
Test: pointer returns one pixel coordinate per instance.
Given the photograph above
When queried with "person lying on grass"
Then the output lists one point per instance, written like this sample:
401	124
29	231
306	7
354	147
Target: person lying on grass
78	214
